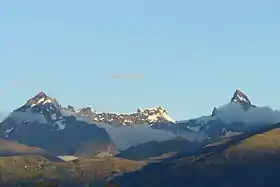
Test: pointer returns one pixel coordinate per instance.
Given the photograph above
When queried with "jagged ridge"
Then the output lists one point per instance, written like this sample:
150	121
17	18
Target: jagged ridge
51	109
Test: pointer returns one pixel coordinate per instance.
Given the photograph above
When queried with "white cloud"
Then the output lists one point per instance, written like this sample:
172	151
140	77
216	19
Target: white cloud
234	112
125	137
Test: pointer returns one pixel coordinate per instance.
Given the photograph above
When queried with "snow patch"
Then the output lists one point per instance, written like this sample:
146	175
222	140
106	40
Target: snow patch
60	125
47	101
53	116
8	131
40	100
241	99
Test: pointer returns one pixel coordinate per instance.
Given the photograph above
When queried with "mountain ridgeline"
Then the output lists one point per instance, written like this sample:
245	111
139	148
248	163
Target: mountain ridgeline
235	145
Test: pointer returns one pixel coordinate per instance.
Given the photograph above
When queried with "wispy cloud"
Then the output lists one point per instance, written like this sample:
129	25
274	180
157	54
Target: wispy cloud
126	76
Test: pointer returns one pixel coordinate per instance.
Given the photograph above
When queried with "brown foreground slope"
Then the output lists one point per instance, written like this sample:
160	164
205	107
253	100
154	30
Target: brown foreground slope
245	160
12	148
28	170
154	149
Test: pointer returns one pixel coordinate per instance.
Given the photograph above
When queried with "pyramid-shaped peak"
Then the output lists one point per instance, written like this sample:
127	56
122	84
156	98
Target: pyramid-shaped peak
41	98
41	94
240	97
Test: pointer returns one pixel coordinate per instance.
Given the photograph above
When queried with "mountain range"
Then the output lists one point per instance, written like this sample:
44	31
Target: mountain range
43	127
52	122
237	116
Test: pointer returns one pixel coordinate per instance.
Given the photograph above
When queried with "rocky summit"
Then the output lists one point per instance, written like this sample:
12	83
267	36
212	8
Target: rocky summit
52	111
141	116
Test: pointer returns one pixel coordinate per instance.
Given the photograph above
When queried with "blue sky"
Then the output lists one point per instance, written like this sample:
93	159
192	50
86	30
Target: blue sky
192	54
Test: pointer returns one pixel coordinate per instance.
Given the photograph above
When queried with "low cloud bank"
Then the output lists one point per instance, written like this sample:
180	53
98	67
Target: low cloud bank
125	137
234	112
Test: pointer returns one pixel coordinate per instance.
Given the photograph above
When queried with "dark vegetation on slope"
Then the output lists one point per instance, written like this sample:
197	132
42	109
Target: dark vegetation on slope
12	148
250	159
82	171
156	149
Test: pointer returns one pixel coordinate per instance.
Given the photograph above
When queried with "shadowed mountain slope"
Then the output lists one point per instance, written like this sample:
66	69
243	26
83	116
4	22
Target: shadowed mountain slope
249	159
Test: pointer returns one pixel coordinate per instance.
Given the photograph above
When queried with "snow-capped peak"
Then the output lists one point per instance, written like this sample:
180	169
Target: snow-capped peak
43	105
158	109
240	97
40	109
40	99
44	109
141	116
156	114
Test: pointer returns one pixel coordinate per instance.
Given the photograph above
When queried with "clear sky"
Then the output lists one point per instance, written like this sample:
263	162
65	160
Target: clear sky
192	54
